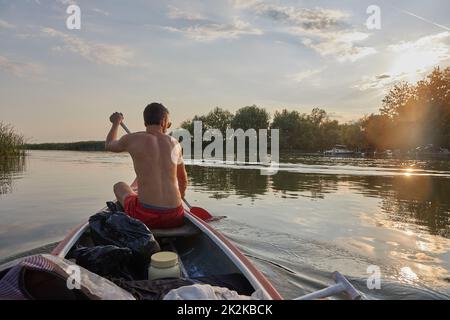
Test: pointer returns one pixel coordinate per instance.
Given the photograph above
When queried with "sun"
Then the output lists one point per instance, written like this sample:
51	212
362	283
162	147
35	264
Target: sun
408	172
411	60
411	65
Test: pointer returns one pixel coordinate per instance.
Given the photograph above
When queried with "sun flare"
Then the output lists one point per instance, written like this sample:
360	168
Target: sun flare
411	65
412	59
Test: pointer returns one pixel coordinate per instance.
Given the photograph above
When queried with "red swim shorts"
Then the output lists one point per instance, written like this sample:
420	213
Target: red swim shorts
153	218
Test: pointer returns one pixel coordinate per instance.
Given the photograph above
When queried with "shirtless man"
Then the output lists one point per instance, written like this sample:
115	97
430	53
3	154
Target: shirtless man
160	172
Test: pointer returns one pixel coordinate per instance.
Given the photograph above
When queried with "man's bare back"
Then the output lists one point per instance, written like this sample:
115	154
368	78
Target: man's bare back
155	169
158	163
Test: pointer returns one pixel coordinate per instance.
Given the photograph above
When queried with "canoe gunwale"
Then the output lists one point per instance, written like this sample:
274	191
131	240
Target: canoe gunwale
70	240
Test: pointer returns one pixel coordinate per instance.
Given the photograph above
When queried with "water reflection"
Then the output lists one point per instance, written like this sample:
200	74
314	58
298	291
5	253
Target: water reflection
221	182
315	216
10	167
420	200
314	186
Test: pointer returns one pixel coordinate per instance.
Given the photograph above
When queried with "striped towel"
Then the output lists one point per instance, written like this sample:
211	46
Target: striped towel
10	284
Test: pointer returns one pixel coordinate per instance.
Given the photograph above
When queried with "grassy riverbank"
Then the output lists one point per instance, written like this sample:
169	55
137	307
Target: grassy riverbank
11	142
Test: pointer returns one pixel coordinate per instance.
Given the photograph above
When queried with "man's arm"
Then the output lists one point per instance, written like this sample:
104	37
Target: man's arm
182	179
112	144
177	158
181	171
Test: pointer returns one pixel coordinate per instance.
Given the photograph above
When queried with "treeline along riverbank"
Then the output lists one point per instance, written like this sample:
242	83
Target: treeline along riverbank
412	118
71	146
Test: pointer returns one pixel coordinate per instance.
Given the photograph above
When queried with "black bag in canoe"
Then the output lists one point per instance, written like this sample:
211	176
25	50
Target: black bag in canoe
118	229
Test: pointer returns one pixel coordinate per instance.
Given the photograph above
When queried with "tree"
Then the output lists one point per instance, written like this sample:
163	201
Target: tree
289	124
410	116
318	116
420	113
377	131
188	125
304	132
352	135
433	95
397	98
251	117
329	134
309	135
218	119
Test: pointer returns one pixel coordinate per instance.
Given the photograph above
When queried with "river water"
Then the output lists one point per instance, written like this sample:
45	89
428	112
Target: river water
314	216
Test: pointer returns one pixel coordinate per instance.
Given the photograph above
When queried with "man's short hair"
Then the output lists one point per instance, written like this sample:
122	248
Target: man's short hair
154	113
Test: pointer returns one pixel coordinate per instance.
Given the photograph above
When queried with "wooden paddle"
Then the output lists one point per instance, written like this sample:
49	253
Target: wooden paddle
196	211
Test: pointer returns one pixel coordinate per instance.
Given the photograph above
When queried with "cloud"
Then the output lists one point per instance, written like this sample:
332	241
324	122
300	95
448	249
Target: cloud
410	61
303	19
38	2
213	31
244	3
99	53
325	31
433	45
100	11
6	25
303	75
176	13
66	2
341	46
20	69
383	76
421	55
382	81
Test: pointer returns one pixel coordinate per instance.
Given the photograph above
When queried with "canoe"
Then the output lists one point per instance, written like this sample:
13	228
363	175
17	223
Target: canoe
205	255
203	252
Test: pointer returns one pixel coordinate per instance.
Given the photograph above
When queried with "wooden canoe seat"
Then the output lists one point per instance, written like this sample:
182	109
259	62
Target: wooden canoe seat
184	231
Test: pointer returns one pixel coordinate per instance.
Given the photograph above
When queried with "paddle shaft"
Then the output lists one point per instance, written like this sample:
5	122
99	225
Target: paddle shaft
125	128
187	203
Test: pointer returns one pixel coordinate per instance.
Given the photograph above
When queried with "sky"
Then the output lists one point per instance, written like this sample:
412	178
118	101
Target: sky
59	85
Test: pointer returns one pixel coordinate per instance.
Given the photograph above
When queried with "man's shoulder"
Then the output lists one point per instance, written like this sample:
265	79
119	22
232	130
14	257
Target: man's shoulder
144	136
139	135
138	138
173	140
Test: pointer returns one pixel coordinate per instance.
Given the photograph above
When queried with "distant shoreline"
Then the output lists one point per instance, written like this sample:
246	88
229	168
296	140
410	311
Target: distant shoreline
68	146
97	146
100	146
